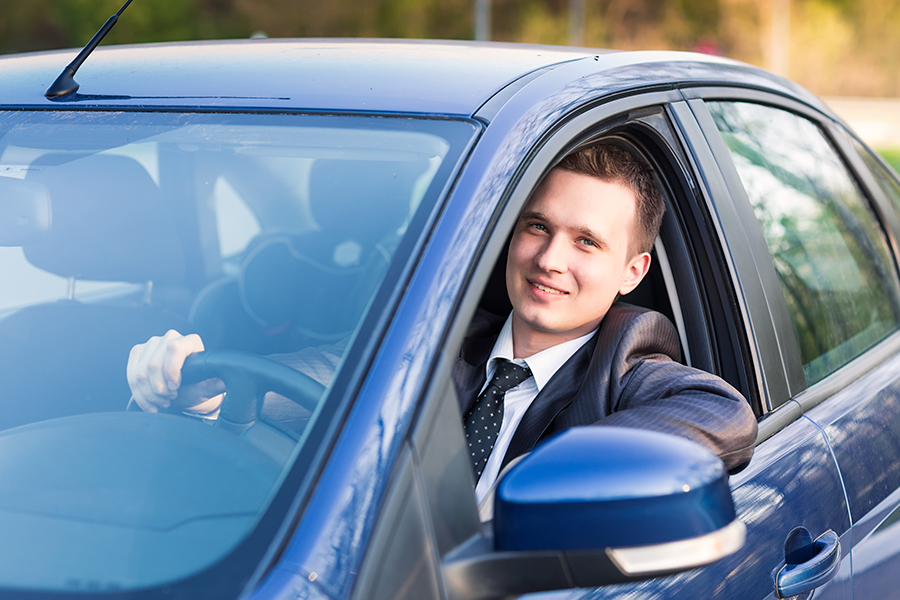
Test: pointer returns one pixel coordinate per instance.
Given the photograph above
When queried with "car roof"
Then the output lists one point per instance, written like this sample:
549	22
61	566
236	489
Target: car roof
452	78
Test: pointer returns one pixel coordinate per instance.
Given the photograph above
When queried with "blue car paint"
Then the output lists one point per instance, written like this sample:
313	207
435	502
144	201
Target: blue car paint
791	481
862	422
317	75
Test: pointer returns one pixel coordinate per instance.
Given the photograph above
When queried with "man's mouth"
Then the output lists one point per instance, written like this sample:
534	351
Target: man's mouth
546	289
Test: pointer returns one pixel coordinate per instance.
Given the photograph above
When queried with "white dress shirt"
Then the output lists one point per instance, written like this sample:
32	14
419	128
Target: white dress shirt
543	366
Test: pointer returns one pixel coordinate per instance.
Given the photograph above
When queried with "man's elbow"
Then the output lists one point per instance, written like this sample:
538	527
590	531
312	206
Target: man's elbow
742	440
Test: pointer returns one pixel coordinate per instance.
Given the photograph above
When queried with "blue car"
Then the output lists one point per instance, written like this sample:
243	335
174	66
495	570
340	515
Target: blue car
351	202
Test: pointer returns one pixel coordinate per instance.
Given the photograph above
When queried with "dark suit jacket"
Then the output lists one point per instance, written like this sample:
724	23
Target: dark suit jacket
628	375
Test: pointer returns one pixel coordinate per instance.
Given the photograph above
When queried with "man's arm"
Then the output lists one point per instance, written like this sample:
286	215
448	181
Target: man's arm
669	397
154	376
653	391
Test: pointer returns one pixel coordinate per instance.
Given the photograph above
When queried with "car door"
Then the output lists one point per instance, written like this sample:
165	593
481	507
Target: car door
838	274
866	429
821	200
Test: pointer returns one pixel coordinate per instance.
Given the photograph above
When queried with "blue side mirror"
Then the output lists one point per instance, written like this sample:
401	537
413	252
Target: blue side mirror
597	506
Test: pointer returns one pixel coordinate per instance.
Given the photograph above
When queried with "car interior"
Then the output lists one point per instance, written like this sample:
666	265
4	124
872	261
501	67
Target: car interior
287	288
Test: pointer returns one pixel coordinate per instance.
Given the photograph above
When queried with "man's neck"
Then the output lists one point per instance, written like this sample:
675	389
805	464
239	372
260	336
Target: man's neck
527	342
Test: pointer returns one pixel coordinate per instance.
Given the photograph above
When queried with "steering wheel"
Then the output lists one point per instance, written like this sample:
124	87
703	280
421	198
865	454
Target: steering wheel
247	378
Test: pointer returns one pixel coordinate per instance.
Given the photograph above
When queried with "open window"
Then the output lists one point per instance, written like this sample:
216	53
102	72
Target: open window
686	281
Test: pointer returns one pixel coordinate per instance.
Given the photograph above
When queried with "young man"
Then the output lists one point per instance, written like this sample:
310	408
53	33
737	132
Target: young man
582	239
565	355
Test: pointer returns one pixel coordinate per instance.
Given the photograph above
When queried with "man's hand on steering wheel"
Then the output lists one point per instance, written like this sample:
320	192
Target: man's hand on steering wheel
154	375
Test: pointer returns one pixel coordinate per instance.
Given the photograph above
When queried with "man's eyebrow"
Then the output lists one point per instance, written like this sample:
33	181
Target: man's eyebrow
590	234
587	232
531	214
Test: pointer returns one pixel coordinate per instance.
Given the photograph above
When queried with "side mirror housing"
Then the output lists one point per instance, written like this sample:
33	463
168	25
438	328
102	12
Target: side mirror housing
596	506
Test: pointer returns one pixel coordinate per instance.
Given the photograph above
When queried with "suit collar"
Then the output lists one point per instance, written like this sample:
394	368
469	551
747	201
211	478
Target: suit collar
468	372
543	364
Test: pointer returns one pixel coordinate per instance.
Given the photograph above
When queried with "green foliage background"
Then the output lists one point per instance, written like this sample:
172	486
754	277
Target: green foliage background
892	156
836	47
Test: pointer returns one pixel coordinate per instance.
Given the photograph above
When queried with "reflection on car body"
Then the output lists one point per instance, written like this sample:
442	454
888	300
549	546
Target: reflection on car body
361	204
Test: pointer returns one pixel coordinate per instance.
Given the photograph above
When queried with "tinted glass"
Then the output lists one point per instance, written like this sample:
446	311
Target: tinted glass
827	245
262	233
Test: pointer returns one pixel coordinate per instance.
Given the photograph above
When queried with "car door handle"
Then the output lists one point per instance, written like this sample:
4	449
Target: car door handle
793	579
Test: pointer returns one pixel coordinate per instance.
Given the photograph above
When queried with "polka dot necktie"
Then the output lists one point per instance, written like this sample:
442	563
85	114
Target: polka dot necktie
482	424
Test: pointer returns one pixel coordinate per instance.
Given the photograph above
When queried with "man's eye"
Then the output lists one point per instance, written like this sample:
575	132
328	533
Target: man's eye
589	243
538	226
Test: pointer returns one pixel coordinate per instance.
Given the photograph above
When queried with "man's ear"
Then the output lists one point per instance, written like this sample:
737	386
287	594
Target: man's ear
635	270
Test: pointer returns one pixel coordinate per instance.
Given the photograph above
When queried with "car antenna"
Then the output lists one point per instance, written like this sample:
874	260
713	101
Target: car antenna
65	83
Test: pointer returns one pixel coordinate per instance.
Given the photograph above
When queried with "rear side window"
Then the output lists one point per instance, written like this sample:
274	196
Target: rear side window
828	248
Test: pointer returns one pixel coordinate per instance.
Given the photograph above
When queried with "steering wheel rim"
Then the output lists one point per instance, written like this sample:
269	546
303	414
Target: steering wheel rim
247	377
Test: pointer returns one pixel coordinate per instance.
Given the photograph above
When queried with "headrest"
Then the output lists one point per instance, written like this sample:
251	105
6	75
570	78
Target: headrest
320	281
108	221
282	286
362	197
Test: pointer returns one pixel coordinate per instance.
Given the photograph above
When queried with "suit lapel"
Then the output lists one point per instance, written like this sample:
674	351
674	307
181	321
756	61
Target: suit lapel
468	379
588	385
584	390
469	370
557	394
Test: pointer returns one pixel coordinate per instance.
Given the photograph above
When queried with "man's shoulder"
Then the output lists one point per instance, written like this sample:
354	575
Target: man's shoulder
631	329
623	314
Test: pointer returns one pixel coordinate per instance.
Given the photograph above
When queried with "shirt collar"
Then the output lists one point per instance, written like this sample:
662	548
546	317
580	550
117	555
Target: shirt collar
543	365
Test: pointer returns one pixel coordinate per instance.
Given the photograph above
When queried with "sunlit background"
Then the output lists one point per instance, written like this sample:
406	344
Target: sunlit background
847	51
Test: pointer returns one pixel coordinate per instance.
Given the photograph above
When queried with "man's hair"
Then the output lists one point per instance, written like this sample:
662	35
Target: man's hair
613	164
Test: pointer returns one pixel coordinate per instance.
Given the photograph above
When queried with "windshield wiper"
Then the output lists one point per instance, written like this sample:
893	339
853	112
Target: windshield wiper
65	83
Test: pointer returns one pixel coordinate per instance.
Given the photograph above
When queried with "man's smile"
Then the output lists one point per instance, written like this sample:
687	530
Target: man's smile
547	289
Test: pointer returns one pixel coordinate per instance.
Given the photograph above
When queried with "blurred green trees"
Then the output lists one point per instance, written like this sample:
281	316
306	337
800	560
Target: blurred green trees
892	156
843	47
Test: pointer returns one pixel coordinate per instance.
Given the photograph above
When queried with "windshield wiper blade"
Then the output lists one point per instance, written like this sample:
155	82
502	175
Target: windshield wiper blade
65	83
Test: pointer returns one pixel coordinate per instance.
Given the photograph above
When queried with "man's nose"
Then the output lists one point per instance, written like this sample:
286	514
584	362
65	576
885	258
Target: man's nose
553	256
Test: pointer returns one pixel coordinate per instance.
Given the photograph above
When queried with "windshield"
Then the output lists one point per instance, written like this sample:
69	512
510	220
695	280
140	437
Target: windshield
269	235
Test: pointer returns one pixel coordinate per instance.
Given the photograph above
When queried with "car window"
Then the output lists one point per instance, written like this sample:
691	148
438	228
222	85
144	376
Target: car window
262	233
830	253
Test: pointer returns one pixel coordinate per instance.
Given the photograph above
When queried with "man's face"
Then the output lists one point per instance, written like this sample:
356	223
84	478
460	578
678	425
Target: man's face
569	258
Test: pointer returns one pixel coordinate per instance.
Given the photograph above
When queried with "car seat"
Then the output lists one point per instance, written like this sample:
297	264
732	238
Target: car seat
109	222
